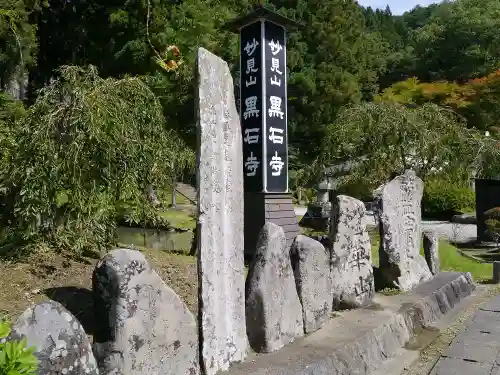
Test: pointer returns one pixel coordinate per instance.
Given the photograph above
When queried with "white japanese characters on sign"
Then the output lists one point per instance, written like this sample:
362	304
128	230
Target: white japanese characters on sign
276	47
274	135
250	137
275	108
251	165
275	67
252	80
251	47
251	66
276	164
251	107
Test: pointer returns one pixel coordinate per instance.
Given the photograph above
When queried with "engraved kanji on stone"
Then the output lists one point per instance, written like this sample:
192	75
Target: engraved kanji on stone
359	260
251	107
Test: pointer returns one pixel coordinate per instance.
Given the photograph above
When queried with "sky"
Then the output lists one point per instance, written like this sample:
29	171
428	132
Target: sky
398	7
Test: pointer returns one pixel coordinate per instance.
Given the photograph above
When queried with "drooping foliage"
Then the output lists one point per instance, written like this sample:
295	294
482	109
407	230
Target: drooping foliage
86	144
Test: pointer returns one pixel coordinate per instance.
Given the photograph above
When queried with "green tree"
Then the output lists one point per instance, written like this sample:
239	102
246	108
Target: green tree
384	139
18	45
86	144
459	42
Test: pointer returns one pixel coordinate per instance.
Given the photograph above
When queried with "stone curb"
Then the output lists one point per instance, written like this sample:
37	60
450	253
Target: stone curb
359	341
464	219
472	257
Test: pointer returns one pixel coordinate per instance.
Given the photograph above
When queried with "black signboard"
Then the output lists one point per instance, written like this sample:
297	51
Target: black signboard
275	147
263	107
252	105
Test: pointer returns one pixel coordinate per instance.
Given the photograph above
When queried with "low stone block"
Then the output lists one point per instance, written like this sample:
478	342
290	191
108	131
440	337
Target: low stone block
273	309
61	344
311	266
142	326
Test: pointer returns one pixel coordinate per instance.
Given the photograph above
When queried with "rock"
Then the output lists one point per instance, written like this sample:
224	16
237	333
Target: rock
431	251
220	252
61	344
311	266
273	309
142	326
352	273
400	222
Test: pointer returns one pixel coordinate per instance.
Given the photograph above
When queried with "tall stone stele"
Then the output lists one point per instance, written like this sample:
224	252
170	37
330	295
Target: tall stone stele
221	276
263	116
400	225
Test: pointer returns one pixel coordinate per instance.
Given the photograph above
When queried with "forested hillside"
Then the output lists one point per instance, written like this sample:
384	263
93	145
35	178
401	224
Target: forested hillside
392	91
346	54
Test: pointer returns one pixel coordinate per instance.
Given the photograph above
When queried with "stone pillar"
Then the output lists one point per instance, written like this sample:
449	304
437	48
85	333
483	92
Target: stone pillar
431	251
496	272
221	277
352	272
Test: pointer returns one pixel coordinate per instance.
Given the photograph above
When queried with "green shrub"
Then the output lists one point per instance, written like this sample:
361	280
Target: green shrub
445	198
15	357
361	190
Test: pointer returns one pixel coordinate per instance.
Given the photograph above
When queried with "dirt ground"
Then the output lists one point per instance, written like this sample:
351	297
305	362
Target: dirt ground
46	276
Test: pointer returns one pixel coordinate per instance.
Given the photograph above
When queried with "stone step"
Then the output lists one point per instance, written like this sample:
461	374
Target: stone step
360	341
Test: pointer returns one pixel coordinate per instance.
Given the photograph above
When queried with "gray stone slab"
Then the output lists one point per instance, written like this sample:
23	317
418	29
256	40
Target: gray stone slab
472	351
473	337
143	326
61	345
486	316
311	267
352	272
453	366
273	308
400	218
221	272
487	327
493	305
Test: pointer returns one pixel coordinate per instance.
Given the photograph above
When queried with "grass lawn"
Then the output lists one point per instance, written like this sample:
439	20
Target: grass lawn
178	218
450	259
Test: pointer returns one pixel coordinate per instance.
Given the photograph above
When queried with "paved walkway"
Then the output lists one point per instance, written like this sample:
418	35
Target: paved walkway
476	349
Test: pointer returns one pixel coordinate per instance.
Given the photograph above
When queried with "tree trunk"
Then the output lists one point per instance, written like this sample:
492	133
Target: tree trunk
153	198
174	197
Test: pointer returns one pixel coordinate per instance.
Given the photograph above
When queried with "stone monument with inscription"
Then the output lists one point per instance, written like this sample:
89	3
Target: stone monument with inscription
400	225
263	116
351	267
